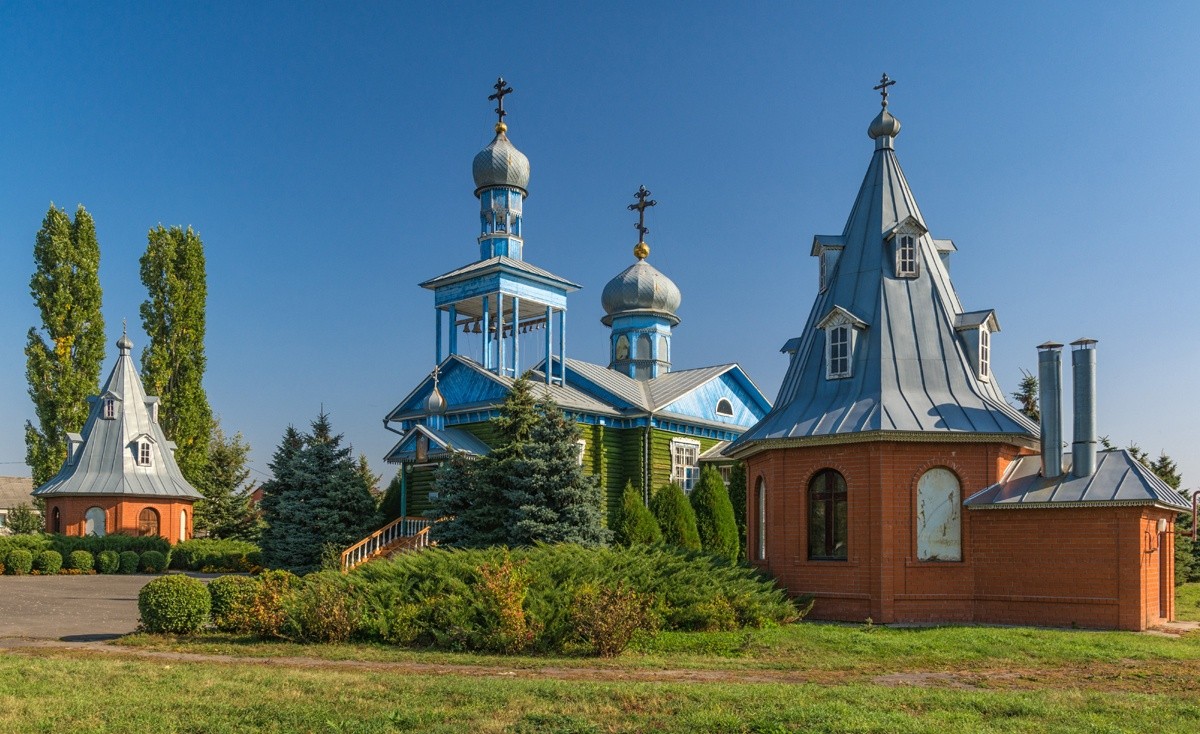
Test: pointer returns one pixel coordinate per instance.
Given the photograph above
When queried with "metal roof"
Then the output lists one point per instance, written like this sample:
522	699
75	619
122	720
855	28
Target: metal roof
911	370
106	464
442	443
1119	479
499	263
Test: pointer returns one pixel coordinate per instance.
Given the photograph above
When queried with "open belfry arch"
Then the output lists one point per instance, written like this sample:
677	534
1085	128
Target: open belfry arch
892	480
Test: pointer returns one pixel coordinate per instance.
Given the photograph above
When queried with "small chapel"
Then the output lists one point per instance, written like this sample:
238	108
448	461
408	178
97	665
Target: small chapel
500	317
892	481
120	474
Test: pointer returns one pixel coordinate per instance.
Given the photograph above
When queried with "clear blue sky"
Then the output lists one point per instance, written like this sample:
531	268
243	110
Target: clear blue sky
323	151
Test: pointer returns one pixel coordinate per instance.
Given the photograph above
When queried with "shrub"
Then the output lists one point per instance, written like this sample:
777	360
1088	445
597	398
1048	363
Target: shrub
48	562
233	600
321	608
129	562
81	561
175	604
24	520
108	561
675	517
714	516
153	562
94	544
606	617
33	543
19	562
506	628
215	556
635	525
267	614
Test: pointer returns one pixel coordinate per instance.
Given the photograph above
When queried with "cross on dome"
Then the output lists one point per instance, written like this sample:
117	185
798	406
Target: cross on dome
882	88
501	90
642	194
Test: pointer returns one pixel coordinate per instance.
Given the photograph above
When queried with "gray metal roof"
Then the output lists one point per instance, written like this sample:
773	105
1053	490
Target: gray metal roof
500	164
910	370
442	443
640	288
1119	479
647	395
483	267
15	491
106	463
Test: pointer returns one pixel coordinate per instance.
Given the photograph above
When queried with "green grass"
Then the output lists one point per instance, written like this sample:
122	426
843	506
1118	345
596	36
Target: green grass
1187	602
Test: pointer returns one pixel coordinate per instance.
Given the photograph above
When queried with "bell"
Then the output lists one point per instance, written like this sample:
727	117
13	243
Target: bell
477	329
466	327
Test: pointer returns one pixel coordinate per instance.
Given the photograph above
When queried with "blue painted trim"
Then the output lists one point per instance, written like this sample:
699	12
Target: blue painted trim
453	330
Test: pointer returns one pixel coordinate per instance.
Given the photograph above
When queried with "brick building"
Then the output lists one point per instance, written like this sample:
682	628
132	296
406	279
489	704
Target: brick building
891	480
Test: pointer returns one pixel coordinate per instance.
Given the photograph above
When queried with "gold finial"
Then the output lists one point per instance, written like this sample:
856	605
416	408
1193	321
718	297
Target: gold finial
641	250
501	127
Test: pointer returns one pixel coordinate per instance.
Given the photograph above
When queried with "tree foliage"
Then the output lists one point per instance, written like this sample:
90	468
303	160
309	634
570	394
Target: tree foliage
63	359
1187	555
173	363
635	525
226	512
1027	396
316	500
675	517
23	520
714	516
737	498
390	506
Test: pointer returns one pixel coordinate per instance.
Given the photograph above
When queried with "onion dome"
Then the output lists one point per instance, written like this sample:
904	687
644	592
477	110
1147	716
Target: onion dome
435	404
640	288
124	344
500	164
884	125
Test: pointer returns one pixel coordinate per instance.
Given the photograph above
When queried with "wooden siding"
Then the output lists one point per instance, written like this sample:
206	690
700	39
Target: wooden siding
420	484
660	454
702	403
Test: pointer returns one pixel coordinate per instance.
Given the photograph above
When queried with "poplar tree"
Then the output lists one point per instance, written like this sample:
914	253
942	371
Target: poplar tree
63	366
173	363
714	516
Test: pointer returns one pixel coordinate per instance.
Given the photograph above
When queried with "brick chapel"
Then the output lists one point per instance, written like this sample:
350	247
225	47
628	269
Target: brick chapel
892	481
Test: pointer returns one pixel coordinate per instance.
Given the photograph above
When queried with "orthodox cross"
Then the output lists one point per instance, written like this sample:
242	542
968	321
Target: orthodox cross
884	83
501	90
640	207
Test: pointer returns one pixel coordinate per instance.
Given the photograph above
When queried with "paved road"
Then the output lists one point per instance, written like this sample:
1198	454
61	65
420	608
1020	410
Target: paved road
73	607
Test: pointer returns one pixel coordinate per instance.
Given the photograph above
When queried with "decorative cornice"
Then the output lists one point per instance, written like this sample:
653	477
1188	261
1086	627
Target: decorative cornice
754	447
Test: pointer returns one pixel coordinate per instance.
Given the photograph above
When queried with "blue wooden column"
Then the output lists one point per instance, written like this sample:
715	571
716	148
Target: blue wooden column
487	336
453	331
562	347
437	320
516	348
499	333
549	343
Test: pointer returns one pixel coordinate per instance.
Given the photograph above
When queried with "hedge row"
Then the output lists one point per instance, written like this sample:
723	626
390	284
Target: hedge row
216	556
48	562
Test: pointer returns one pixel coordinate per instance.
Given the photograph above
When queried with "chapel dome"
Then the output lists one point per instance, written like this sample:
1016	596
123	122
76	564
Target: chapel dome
884	125
640	287
500	164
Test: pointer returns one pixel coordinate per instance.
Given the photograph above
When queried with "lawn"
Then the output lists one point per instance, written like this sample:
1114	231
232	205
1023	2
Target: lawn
1187	602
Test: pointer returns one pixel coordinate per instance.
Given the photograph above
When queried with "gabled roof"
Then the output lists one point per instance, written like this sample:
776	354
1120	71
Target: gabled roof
1119	479
106	463
500	264
911	371
441	443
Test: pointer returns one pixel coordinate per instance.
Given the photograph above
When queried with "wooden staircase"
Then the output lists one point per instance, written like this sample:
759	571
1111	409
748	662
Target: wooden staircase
401	534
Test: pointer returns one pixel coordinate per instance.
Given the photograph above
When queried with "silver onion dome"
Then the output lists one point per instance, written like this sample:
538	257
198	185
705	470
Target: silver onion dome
884	125
640	288
500	164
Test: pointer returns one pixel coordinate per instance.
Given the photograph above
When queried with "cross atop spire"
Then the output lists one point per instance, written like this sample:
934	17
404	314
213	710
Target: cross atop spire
501	90
640	207
882	88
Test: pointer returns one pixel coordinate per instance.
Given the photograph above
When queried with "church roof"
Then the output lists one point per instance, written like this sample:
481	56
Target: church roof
499	263
103	459
1119	479
911	369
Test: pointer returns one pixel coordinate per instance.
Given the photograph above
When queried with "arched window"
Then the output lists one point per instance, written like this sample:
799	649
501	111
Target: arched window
183	526
827	516
622	348
762	519
55	521
93	522
724	407
939	526
148	522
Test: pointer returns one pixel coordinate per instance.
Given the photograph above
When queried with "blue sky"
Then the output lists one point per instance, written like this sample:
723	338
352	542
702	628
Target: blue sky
323	153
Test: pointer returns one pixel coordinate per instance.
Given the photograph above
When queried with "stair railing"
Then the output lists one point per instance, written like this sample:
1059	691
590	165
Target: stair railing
386	538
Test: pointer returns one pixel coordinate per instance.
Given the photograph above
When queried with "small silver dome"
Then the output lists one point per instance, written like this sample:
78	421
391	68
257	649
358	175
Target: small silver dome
435	404
500	164
884	125
640	287
124	344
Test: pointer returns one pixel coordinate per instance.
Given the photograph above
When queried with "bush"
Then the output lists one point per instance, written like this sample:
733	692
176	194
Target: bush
175	604
94	544
24	520
81	561
233	600
128	562
18	563
108	561
47	562
606	617
635	525
153	562
321	608
714	516
675	517
267	613
215	556
33	543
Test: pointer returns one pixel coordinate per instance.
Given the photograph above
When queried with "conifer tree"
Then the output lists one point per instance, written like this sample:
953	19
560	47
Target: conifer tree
316	501
471	507
1027	396
737	498
225	511
390	507
63	367
173	363
675	517
714	516
635	525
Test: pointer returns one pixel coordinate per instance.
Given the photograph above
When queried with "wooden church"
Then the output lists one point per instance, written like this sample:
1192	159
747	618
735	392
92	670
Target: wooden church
892	481
500	317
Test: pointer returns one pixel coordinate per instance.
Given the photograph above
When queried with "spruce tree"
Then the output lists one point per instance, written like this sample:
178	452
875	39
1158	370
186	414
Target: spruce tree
389	506
1027	396
552	500
225	511
63	368
675	517
173	363
714	516
737	498
635	525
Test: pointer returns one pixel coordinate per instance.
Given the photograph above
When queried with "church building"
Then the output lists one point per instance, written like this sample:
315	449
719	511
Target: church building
892	481
500	317
120	474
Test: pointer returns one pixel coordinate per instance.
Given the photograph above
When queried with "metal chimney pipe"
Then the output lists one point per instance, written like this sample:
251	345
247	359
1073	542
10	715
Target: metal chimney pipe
1083	374
1050	403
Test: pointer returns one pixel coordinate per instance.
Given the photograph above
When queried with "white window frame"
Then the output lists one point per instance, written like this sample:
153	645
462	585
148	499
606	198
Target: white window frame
985	352
684	473
906	255
822	275
725	401
110	408
582	446
143	453
838	366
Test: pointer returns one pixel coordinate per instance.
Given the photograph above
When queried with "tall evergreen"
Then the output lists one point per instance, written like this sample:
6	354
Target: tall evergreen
316	501
634	524
225	511
1027	396
675	517
714	516
472	509
389	506
737	498
173	363
63	359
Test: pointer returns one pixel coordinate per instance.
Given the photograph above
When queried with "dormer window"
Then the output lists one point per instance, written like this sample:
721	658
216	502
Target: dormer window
724	407
975	330
985	351
110	409
840	327
906	256
143	453
827	248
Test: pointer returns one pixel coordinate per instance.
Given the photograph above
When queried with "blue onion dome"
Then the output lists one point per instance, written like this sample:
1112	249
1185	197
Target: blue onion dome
640	288
884	125
500	164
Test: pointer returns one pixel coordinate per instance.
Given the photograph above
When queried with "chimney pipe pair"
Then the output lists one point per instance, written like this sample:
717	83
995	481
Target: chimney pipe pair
1083	370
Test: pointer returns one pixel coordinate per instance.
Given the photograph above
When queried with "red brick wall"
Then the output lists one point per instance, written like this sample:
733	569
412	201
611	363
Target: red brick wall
121	515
